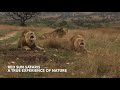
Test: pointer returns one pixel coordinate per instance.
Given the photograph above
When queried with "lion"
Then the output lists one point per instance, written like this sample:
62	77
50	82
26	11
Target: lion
56	33
27	41
78	44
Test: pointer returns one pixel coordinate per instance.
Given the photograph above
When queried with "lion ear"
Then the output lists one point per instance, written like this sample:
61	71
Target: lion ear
67	30
61	28
24	34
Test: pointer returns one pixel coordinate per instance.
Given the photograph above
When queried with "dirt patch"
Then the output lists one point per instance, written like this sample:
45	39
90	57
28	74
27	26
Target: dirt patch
9	35
8	44
24	55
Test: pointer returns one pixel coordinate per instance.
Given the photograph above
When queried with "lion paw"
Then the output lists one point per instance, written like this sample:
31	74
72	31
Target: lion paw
40	48
26	48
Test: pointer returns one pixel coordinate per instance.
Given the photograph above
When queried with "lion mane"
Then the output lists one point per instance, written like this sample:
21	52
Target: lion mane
78	44
27	41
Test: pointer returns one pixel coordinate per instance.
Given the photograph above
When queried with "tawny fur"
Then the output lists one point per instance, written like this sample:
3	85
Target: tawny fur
27	41
56	33
78	44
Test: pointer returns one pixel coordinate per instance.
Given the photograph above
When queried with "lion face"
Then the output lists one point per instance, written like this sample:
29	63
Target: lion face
61	32
78	43
30	36
81	42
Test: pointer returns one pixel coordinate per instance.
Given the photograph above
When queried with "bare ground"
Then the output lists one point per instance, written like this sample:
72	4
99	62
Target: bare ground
9	35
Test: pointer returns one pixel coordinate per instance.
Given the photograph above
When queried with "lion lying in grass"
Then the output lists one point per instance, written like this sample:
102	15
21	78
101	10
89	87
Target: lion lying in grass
78	44
56	33
27	41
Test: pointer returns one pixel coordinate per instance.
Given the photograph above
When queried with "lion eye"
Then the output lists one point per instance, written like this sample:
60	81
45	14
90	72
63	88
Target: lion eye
82	40
31	33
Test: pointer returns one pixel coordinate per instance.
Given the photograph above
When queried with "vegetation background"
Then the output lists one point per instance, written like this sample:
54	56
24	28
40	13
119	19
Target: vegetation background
101	31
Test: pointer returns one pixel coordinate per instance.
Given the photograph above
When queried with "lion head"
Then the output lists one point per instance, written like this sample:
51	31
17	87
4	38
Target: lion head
27	41
80	40
78	43
30	37
61	32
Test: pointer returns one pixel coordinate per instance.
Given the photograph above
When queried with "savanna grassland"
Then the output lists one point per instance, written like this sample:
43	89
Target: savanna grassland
103	61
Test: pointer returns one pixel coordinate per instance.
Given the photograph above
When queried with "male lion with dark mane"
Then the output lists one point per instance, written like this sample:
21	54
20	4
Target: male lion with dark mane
27	41
78	44
56	33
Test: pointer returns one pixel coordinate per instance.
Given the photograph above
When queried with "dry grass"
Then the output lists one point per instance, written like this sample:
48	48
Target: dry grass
52	43
102	62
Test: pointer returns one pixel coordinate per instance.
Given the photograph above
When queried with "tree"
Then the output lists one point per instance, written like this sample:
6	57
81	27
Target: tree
21	16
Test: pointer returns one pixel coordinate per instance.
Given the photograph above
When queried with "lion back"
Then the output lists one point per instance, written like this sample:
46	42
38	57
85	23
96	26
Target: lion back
56	33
